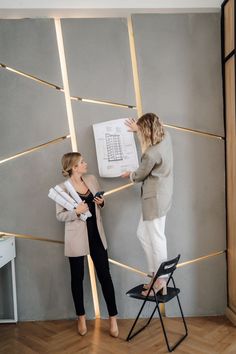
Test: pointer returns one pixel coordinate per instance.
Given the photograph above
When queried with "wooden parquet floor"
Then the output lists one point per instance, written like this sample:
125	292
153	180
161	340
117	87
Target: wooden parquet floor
207	335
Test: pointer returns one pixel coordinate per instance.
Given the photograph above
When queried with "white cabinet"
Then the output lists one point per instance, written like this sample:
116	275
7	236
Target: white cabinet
8	254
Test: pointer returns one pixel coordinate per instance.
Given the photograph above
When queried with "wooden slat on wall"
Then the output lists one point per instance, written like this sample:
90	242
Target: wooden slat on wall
231	177
230	117
229	26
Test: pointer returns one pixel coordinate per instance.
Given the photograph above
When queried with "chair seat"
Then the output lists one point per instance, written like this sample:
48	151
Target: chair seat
137	290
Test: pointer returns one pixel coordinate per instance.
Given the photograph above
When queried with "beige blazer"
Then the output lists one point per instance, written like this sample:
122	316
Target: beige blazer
76	234
156	174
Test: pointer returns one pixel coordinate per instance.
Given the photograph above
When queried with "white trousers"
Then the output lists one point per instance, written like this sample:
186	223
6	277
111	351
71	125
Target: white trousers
151	234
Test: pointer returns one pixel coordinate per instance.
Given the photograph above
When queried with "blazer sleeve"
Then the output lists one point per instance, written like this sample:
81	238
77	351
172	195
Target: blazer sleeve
146	166
65	215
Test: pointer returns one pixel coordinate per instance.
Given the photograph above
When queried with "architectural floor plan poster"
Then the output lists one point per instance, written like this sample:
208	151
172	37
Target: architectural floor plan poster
115	148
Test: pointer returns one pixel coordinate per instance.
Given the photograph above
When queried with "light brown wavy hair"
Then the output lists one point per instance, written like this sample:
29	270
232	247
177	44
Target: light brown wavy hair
68	161
150	130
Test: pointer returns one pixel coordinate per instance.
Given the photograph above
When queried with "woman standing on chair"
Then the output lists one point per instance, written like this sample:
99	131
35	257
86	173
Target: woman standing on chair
156	175
86	237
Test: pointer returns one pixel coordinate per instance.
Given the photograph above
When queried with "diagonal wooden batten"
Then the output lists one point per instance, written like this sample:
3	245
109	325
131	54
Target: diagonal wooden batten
118	189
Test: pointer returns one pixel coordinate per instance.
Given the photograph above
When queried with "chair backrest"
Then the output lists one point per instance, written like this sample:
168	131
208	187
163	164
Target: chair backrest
167	268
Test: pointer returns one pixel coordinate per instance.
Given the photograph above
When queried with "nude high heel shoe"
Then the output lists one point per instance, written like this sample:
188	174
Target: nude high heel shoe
159	286
148	285
114	331
81	325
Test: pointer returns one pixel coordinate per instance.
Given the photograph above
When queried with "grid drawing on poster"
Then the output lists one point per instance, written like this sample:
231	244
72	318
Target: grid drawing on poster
115	148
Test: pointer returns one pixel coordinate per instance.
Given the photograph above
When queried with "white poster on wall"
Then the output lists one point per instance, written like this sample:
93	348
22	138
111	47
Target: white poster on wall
115	148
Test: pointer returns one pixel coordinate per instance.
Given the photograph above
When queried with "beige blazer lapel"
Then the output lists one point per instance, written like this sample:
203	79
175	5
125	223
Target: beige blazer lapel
89	183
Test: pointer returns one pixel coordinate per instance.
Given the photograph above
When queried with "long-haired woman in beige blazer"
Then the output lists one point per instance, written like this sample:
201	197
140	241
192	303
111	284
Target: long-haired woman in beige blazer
155	172
86	237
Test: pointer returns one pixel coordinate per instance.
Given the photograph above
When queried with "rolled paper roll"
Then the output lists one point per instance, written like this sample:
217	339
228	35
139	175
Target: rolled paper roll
59	199
70	188
65	196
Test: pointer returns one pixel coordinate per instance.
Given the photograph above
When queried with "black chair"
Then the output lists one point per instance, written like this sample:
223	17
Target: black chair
166	268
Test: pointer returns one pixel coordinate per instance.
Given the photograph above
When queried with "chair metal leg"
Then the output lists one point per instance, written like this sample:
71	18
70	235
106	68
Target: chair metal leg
182	315
130	335
170	349
163	328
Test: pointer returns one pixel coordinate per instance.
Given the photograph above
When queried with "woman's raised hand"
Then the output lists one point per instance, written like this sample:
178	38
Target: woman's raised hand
126	174
131	123
81	208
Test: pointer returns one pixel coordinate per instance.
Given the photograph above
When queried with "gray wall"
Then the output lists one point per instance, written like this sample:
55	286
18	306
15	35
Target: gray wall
32	114
31	46
98	59
180	78
179	68
179	71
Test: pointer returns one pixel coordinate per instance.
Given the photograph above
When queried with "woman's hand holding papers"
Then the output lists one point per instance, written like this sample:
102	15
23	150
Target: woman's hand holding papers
81	208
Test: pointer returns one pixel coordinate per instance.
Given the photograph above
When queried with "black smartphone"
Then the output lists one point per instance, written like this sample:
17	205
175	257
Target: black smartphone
99	194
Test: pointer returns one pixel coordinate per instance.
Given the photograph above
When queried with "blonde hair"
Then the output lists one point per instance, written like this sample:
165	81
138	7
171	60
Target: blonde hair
150	130
68	161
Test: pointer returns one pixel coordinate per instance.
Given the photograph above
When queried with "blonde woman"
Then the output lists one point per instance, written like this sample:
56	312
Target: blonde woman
156	175
86	237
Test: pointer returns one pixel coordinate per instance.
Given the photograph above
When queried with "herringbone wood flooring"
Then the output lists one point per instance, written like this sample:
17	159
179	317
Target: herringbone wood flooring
207	335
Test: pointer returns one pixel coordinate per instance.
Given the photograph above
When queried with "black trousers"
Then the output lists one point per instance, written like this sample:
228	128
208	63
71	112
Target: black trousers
100	260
